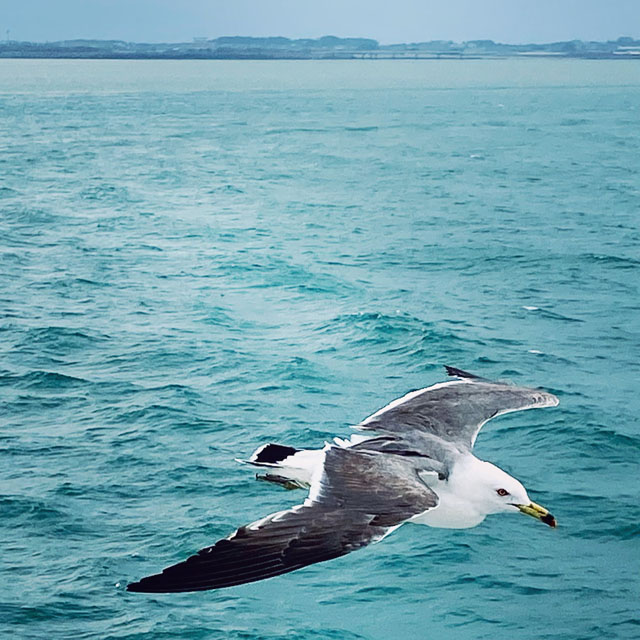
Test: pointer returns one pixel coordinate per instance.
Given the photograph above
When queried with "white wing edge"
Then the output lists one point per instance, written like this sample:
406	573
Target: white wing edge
409	396
548	400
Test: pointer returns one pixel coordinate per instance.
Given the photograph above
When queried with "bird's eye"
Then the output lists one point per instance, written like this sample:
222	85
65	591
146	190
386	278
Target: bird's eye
502	492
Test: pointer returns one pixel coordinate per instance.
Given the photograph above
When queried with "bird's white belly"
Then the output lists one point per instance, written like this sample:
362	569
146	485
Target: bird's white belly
448	518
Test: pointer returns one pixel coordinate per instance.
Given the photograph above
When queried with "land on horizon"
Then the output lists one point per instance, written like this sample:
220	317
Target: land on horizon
326	47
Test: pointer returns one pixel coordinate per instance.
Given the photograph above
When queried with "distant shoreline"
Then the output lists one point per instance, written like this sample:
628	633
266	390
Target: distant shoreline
325	48
538	56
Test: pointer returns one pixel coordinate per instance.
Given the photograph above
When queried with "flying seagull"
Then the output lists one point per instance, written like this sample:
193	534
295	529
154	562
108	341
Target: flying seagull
412	463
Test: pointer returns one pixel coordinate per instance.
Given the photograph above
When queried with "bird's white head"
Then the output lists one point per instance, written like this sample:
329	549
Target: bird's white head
492	490
497	489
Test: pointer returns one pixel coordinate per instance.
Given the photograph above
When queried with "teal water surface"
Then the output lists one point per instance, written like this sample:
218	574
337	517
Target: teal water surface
199	257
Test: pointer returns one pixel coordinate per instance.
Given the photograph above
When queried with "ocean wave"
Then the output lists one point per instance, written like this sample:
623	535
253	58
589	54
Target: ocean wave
42	380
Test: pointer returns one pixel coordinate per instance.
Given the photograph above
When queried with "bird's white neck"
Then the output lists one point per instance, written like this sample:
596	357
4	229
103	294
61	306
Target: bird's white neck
459	506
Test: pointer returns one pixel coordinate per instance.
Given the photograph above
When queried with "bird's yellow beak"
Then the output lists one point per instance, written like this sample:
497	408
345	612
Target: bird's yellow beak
536	511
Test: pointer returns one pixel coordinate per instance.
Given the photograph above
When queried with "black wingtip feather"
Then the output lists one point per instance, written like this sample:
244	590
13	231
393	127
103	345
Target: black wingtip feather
459	373
274	453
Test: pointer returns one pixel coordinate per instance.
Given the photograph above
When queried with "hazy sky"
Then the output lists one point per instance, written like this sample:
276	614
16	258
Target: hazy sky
385	20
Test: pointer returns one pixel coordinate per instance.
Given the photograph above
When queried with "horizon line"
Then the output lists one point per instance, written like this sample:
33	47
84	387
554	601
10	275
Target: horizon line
293	39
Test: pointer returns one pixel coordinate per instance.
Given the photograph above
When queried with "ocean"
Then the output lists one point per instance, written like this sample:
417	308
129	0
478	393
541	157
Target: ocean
198	257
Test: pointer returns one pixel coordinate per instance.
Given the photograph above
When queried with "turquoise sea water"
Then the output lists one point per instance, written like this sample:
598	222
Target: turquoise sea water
198	257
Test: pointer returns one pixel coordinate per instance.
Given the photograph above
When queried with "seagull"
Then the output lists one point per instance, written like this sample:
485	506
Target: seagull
412	462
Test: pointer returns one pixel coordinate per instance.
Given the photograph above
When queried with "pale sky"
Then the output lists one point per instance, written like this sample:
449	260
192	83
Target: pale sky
389	21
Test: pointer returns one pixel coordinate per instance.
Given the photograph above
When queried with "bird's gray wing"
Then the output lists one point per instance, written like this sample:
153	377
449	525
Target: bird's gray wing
359	498
454	411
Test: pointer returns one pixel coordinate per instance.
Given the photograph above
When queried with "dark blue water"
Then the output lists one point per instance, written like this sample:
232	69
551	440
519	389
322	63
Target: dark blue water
197	258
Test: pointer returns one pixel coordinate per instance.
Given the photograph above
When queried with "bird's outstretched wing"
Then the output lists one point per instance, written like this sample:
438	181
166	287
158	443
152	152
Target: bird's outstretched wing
455	411
359	498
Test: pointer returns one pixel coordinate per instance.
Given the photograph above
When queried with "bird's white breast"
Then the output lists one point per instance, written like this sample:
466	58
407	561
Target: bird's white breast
458	506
